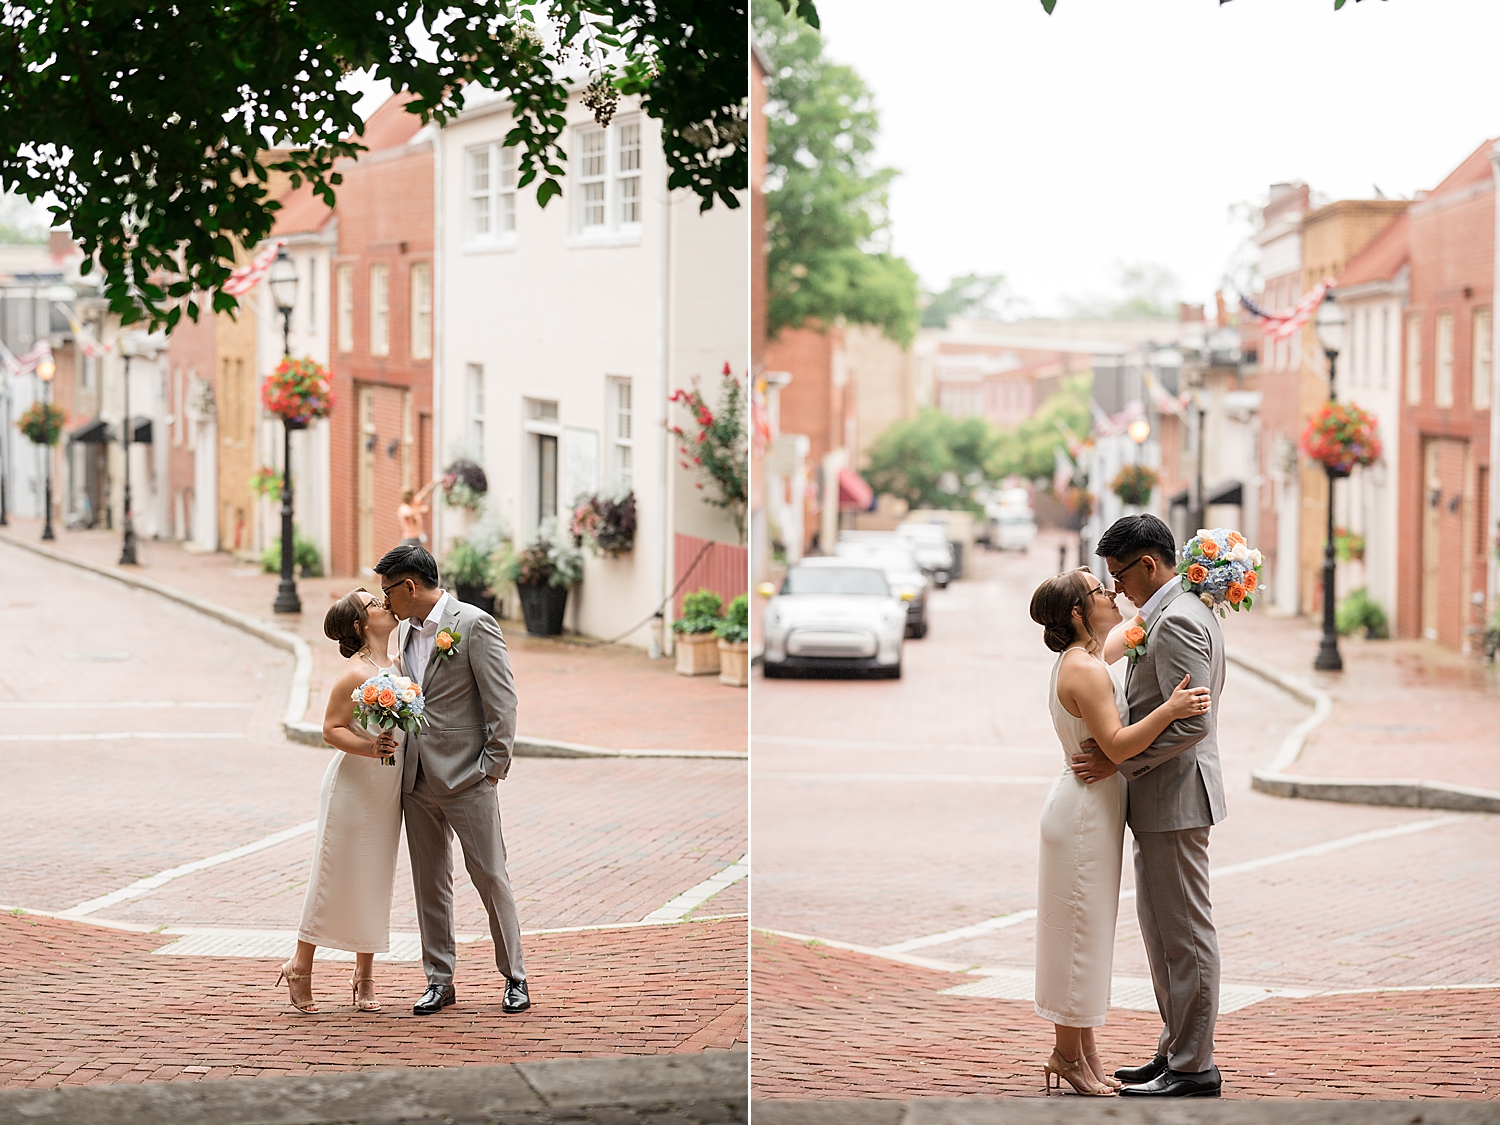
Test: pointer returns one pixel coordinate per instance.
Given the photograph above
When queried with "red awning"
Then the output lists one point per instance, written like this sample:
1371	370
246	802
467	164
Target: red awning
854	494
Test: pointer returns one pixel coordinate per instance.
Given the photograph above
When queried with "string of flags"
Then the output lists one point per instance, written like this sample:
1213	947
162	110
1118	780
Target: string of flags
16	365
1280	325
244	279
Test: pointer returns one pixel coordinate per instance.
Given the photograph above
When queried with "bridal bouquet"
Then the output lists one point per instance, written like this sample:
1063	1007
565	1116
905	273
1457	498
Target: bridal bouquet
1221	568
389	702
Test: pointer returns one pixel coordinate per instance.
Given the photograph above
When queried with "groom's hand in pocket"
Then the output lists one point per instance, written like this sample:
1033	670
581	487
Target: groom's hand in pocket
1089	763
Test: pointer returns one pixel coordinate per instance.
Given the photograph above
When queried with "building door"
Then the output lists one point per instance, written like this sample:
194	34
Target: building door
384	468
367	480
546	476
1445	463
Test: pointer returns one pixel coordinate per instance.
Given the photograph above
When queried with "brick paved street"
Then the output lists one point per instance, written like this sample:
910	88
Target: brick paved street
140	736
888	814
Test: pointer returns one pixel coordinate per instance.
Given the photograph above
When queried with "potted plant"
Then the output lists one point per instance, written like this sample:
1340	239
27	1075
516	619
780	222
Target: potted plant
469	571
606	523
734	643
697	642
1340	436
464	485
717	451
1133	485
542	573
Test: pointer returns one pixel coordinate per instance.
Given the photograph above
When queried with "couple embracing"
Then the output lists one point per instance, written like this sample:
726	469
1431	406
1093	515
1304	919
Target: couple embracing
1140	741
442	777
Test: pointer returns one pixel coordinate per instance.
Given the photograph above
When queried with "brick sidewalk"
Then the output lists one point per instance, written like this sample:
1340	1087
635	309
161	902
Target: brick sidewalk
89	1005
610	696
1401	709
831	1023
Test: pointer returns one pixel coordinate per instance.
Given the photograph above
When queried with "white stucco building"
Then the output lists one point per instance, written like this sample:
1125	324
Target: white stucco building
563	331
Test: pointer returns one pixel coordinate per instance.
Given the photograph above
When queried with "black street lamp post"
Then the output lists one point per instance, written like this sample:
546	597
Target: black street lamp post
45	369
283	282
127	549
1329	325
5	446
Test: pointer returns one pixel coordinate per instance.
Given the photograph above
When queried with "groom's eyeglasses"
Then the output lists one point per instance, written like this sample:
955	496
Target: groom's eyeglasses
1118	574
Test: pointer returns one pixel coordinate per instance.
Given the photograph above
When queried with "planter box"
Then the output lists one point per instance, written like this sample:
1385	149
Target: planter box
476	596
734	663
697	654
542	607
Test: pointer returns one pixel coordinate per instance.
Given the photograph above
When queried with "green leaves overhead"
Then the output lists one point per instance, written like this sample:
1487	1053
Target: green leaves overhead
153	123
827	247
933	460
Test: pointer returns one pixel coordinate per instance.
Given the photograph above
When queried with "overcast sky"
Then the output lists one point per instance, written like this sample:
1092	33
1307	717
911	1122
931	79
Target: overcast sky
1046	148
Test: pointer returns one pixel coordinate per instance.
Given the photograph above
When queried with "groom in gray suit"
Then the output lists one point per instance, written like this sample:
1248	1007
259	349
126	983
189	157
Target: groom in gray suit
1176	792
453	764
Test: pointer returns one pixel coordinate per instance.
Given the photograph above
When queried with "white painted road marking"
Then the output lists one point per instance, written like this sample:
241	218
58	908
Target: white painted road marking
862	744
961	778
1134	994
146	886
694	897
152	704
1004	921
116	735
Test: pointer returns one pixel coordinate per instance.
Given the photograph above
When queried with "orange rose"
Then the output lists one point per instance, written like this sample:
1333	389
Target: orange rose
1236	593
1197	573
370	693
1235	538
387	698
1210	548
444	641
1134	636
1252	580
416	687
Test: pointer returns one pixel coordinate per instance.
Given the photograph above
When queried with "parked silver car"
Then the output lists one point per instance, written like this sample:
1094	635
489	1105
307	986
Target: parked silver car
834	614
896	557
934	553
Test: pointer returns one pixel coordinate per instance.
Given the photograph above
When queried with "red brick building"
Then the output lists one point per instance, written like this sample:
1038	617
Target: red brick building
1445	429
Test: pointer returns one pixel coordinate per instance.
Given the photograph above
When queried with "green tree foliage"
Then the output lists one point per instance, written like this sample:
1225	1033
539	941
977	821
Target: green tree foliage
934	460
153	122
1027	451
973	295
827	253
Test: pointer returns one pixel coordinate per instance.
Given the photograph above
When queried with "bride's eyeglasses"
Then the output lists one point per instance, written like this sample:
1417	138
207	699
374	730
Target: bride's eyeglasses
1110	594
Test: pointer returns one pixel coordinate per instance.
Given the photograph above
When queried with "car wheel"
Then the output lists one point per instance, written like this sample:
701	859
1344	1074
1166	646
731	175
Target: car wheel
893	673
921	630
772	672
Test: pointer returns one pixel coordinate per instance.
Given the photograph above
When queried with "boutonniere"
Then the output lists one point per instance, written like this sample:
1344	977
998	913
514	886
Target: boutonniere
446	643
1135	640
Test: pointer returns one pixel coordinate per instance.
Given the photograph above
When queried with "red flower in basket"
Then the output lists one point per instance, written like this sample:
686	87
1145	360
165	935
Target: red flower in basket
1340	436
298	391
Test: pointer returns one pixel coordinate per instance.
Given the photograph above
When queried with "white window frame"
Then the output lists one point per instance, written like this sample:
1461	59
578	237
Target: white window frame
1482	358
541	418
346	308
1442	361
420	282
609	184
312	295
1414	359
380	309
619	425
494	198
474	403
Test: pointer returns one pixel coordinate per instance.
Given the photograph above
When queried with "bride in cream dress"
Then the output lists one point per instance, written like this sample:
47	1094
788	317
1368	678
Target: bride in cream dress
1083	825
348	901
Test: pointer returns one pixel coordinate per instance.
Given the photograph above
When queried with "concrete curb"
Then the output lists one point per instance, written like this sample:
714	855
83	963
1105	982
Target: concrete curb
1400	792
293	726
1118	1111
708	1087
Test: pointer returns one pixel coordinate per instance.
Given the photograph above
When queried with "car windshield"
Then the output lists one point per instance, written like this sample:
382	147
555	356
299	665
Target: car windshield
836	580
887	556
926	534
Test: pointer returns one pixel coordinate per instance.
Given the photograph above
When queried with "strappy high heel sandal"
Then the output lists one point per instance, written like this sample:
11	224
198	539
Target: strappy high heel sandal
1068	1072
291	977
362	1005
1096	1066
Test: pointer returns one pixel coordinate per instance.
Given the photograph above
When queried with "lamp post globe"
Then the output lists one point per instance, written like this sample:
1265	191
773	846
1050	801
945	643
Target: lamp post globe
44	371
1328	325
283	282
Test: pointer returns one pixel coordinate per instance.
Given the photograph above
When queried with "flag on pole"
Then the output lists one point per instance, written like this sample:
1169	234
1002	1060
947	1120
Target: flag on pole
1062	471
1280	325
85	340
27	363
242	280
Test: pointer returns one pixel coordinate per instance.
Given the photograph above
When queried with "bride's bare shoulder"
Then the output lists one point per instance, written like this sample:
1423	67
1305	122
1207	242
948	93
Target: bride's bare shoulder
1081	670
356	671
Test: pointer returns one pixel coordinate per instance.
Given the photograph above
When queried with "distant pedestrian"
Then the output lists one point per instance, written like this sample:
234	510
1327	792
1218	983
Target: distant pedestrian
412	515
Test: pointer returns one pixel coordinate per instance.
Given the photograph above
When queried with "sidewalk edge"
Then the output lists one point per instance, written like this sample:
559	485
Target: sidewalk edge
293	726
1400	792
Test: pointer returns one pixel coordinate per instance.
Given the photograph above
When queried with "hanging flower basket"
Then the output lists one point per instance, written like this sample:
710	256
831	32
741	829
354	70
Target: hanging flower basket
605	523
42	423
1133	485
298	391
266	482
464	485
1341	436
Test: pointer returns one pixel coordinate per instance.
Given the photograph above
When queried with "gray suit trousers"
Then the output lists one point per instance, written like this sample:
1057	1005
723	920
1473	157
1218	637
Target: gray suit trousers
432	820
1172	903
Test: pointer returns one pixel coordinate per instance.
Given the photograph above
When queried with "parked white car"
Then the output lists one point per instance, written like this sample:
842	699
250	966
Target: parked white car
896	557
934	553
836	615
1014	529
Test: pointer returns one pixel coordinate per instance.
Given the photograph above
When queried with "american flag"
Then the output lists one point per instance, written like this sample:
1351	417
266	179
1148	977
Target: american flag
24	364
82	336
1280	325
242	280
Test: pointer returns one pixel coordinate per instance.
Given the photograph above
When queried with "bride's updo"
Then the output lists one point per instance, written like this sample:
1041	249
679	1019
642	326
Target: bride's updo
1053	604
345	622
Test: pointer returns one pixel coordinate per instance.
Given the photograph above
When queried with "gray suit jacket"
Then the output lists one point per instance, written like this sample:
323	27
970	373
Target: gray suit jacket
1176	783
471	705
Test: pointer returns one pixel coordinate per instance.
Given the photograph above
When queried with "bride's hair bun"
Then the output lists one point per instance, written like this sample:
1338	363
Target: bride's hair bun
1052	607
345	622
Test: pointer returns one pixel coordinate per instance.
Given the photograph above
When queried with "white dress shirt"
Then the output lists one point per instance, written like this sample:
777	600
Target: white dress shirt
1163	592
422	639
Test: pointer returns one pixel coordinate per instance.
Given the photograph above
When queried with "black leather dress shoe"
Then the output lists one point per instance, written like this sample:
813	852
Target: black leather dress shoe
1133	1075
1178	1084
517	999
435	999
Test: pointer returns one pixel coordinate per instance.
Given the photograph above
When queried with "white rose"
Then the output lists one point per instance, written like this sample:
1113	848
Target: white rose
1205	533
409	696
1240	552
1255	558
1207	599
354	695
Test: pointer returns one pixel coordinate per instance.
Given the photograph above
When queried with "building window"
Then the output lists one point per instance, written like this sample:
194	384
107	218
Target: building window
620	427
1442	363
474	377
346	308
592	180
1414	360
546	476
421	310
492	192
628	180
1483	353
1385	348
312	295
380	310
608	168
